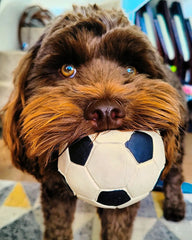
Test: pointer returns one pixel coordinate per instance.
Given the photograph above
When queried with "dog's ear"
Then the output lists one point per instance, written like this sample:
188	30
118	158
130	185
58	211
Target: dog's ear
12	110
174	140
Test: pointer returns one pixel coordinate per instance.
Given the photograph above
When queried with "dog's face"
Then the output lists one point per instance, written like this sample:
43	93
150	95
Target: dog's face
88	73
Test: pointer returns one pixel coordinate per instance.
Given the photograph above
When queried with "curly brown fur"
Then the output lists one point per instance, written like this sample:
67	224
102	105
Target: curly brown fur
47	110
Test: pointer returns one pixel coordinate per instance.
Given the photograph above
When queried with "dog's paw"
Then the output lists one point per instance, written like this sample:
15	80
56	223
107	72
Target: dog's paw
174	212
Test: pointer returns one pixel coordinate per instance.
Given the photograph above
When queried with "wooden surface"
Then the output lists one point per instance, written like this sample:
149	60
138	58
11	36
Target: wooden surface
8	171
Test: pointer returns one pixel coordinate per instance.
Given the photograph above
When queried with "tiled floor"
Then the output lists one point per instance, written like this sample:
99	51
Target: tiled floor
21	216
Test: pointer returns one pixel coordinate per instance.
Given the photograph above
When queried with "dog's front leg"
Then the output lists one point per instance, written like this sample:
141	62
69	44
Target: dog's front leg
58	208
118	223
174	205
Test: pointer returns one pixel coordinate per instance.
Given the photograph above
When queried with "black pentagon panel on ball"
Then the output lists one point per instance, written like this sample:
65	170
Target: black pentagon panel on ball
141	146
113	198
79	150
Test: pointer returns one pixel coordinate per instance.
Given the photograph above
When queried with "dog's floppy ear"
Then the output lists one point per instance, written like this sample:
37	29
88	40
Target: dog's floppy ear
12	110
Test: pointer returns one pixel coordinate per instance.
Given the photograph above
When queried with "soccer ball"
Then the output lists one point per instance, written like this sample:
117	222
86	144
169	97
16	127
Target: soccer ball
115	168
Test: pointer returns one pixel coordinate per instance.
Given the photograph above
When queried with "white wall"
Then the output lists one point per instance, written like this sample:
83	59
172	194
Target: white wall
11	10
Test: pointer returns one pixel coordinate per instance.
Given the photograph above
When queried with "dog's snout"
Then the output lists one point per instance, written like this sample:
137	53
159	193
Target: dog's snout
105	115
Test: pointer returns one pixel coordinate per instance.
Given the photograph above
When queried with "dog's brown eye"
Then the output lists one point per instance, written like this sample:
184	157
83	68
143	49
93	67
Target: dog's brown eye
68	71
131	70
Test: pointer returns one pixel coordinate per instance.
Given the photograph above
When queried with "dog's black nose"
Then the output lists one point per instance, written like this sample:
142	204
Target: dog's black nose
105	115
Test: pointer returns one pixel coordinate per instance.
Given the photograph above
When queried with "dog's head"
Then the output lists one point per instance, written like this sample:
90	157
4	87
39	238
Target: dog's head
91	71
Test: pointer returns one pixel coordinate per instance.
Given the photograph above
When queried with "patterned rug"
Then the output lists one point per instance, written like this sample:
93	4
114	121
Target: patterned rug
21	217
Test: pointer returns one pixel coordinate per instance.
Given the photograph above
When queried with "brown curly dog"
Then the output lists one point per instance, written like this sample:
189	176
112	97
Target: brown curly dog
89	72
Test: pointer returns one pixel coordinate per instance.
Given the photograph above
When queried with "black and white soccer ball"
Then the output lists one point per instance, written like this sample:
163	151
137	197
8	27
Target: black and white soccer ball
114	169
